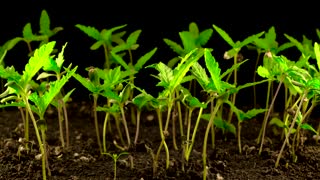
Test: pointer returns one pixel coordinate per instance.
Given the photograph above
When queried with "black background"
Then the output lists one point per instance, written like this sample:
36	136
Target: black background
157	20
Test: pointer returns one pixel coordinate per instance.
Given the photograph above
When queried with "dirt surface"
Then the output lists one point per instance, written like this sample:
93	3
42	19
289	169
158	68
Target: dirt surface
82	160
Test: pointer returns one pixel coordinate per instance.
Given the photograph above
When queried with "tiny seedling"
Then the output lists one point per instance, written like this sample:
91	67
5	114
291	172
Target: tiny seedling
115	158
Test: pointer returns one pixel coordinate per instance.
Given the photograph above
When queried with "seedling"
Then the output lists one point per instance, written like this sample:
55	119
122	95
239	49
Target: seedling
233	53
20	85
115	158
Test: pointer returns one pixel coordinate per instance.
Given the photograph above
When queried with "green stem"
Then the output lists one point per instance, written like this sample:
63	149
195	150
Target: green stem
41	145
137	127
95	113
163	143
204	152
60	125
105	132
254	79
188	151
66	120
290	129
188	129
266	113
106	56
124	121
264	126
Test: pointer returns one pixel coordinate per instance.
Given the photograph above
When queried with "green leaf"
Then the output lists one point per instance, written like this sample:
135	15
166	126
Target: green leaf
317	52
60	59
175	47
224	35
200	73
44	75
119	60
214	70
204	37
308	127
107	34
263	72
232	68
87	83
36	62
250	39
44	23
296	43
193	29
225	125
251	114
143	59
90	31
108	93
187	40
276	121
133	37
27	32
96	45
141	100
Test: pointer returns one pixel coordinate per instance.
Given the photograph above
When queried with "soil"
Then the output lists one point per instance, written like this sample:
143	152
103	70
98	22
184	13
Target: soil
82	160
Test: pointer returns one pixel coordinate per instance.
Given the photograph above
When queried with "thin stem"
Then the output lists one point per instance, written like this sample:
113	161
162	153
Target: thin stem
264	126
124	121
105	131
189	128
95	113
239	137
66	120
290	129
254	78
204	152
60	125
137	127
188	151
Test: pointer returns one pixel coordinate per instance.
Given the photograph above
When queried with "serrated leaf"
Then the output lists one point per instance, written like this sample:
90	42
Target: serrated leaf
119	60
60	58
107	34
251	114
296	43
175	47
263	72
90	31
214	70
222	124
200	73
232	68
108	93
143	59
224	35
250	39
36	62
141	100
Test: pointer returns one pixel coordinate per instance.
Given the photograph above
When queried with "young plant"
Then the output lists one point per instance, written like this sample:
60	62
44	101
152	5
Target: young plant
171	80
234	53
20	86
263	45
115	158
105	38
53	68
243	116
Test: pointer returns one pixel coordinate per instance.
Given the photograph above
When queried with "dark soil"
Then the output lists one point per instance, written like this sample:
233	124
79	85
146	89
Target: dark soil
82	160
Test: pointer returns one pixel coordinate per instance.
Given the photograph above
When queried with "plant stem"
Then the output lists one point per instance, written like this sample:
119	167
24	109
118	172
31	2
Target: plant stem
163	143
266	113
264	125
60	125
41	145
239	137
66	120
188	151
254	79
95	102
188	130
204	152
290	129
124	121
105	132
137	127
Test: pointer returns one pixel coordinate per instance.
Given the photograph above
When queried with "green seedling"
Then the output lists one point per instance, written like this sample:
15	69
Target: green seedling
243	116
171	80
191	103
53	68
115	158
20	86
141	102
264	45
233	53
105	38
